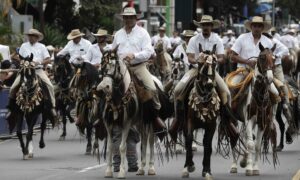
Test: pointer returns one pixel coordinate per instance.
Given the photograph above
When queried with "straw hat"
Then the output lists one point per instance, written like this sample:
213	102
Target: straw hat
129	11
35	32
258	20
101	32
162	28
74	34
187	33
291	31
229	31
273	29
207	19
50	48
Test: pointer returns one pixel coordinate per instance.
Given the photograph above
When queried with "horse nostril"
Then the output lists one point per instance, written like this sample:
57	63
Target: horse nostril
175	71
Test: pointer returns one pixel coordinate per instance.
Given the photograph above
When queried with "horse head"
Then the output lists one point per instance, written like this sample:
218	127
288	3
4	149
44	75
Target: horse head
178	67
27	71
159	47
62	68
207	63
265	62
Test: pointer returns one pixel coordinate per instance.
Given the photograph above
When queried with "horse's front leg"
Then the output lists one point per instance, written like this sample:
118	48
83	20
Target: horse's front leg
31	120
64	119
89	129
123	147
108	172
210	128
188	135
20	137
43	127
151	170
258	144
250	145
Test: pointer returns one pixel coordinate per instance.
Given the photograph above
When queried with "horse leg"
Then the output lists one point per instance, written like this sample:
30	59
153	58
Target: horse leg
89	129
207	144
20	137
123	148
144	141
281	127
250	145
64	119
258	144
233	168
194	145
43	127
31	120
151	170
108	171
189	164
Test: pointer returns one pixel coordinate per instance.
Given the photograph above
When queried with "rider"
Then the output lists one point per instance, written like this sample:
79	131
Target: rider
94	53
207	39
41	57
181	49
162	36
77	47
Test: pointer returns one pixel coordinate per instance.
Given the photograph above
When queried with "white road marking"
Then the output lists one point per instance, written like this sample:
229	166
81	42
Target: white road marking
2	142
92	167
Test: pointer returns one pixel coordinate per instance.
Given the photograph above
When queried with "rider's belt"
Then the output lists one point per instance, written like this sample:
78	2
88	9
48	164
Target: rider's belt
137	64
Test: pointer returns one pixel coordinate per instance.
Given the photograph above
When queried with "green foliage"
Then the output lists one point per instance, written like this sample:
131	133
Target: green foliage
52	36
7	37
291	5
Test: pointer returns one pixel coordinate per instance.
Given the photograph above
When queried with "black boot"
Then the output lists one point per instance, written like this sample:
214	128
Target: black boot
177	121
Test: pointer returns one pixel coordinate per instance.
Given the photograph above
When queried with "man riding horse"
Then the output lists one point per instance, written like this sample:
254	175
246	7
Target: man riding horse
41	57
207	39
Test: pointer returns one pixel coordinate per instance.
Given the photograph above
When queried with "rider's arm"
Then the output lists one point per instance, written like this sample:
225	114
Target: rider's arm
220	59
191	58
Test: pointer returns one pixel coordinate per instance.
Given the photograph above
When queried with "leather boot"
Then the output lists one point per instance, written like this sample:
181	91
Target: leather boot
177	121
159	126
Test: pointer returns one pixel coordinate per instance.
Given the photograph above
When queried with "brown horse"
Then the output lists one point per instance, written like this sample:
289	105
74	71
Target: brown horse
202	109
162	62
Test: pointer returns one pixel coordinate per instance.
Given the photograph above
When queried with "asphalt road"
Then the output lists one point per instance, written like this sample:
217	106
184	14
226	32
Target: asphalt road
64	160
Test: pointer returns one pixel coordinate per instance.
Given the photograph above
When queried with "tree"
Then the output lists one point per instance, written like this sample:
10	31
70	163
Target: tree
291	5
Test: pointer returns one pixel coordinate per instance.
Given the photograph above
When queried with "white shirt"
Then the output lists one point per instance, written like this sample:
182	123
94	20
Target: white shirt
4	51
180	50
206	43
39	51
137	42
290	41
165	39
76	50
94	54
276	36
280	51
175	40
228	43
244	46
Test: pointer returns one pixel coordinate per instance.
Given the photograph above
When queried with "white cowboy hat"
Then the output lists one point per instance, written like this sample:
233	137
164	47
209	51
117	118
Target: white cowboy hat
291	31
35	32
50	48
187	33
74	34
258	20
207	19
101	32
162	28
273	29
229	31
129	11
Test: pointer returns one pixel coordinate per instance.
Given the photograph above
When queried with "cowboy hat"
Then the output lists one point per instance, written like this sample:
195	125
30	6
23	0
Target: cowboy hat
162	28
187	33
74	34
101	32
291	31
35	32
207	19
229	31
50	48
258	20
273	29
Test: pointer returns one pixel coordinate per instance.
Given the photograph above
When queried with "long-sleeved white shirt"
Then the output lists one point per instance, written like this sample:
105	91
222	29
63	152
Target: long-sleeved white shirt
4	51
290	41
181	50
165	39
76	50
137	42
39	51
280	51
94	55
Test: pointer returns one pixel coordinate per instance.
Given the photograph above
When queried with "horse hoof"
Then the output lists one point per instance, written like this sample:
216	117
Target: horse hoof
279	148
140	172
243	163
30	155
26	157
255	172
233	170
62	138
207	176
191	168
179	151
151	171
88	150
185	173
121	174
288	139
42	145
249	172
108	174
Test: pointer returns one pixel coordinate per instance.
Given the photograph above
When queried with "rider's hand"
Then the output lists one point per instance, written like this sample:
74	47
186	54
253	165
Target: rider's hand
251	63
129	57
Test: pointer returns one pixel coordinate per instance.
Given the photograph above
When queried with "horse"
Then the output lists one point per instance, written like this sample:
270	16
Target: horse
63	73
162	62
84	82
122	107
261	111
202	109
32	99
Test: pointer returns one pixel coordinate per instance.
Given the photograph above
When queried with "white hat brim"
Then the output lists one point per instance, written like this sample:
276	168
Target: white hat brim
267	26
216	23
70	37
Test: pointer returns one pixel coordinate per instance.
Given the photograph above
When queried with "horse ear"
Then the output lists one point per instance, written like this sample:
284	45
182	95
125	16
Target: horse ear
261	47
21	57
200	48
274	47
214	49
115	49
31	57
67	56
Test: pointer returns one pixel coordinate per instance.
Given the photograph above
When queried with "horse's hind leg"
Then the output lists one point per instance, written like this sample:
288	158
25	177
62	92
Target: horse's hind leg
64	119
89	129
151	170
281	127
207	144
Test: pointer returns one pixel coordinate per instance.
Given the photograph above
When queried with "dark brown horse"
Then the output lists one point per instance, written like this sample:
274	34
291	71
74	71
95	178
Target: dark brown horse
203	106
63	73
32	99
